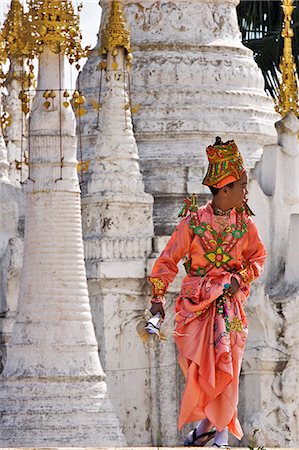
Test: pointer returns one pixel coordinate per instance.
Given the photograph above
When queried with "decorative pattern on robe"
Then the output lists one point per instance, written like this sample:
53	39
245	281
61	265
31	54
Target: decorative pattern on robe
211	329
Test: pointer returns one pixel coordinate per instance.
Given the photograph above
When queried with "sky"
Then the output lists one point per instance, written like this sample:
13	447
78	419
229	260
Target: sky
90	17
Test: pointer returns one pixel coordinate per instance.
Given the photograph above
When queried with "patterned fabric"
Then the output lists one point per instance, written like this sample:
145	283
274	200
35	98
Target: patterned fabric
225	161
205	314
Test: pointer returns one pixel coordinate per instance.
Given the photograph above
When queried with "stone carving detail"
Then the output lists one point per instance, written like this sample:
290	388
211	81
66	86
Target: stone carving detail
206	23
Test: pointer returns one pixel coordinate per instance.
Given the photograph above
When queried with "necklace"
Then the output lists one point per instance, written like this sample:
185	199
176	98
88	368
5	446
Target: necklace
220	212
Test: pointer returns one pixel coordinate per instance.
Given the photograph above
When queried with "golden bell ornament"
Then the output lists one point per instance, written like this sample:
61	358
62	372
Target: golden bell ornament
42	30
76	94
25	108
81	99
72	32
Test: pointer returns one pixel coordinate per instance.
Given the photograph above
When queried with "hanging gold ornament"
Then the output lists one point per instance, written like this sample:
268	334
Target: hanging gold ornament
54	23
135	108
102	65
83	166
79	100
96	105
46	95
6	119
24	97
66	103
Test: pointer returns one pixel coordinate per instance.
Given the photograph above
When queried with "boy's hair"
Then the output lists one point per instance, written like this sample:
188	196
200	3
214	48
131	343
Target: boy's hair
215	191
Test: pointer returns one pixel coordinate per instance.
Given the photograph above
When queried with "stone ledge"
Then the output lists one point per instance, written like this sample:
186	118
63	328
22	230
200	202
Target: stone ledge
131	448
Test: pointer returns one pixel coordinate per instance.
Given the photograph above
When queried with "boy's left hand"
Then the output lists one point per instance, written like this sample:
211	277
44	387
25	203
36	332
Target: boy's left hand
234	287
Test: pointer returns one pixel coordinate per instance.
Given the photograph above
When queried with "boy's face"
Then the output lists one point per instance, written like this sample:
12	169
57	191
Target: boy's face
238	193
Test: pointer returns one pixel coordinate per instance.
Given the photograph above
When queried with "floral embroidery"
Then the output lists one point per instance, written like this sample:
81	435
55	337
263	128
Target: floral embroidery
218	257
159	286
238	233
224	241
201	271
236	325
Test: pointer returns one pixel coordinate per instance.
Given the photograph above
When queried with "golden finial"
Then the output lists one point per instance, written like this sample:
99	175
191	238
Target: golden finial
116	34
53	23
13	30
288	88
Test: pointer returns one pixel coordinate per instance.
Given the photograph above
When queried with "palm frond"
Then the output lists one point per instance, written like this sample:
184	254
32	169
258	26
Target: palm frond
261	24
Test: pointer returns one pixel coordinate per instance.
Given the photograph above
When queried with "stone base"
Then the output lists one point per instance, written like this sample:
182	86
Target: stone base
47	412
140	448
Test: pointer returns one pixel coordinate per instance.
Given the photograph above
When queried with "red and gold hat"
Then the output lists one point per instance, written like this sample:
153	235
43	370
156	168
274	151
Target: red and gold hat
226	164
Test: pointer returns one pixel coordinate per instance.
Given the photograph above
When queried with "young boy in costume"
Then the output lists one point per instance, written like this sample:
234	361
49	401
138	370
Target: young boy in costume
224	255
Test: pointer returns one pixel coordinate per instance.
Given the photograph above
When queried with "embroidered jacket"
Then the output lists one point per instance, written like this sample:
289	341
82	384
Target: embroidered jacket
215	246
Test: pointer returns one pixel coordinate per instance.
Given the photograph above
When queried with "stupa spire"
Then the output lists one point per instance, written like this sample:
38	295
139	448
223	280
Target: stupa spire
13	31
116	34
288	88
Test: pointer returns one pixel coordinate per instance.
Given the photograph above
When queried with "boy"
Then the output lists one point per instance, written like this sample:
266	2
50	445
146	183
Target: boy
224	255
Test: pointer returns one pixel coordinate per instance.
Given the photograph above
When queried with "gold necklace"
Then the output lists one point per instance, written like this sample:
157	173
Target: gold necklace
220	212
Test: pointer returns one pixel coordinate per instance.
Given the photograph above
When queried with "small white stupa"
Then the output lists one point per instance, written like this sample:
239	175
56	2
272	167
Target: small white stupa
118	231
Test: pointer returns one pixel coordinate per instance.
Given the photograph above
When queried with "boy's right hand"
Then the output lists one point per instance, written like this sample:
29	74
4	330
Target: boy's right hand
157	308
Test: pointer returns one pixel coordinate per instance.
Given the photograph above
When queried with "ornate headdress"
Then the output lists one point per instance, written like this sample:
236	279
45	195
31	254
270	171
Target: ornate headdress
226	164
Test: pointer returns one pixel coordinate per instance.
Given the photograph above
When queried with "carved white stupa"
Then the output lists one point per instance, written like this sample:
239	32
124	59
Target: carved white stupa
118	231
53	388
194	80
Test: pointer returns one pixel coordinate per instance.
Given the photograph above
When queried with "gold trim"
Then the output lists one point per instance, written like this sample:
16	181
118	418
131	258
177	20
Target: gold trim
288	89
159	287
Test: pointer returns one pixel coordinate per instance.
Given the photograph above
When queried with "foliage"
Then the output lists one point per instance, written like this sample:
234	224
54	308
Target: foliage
261	24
